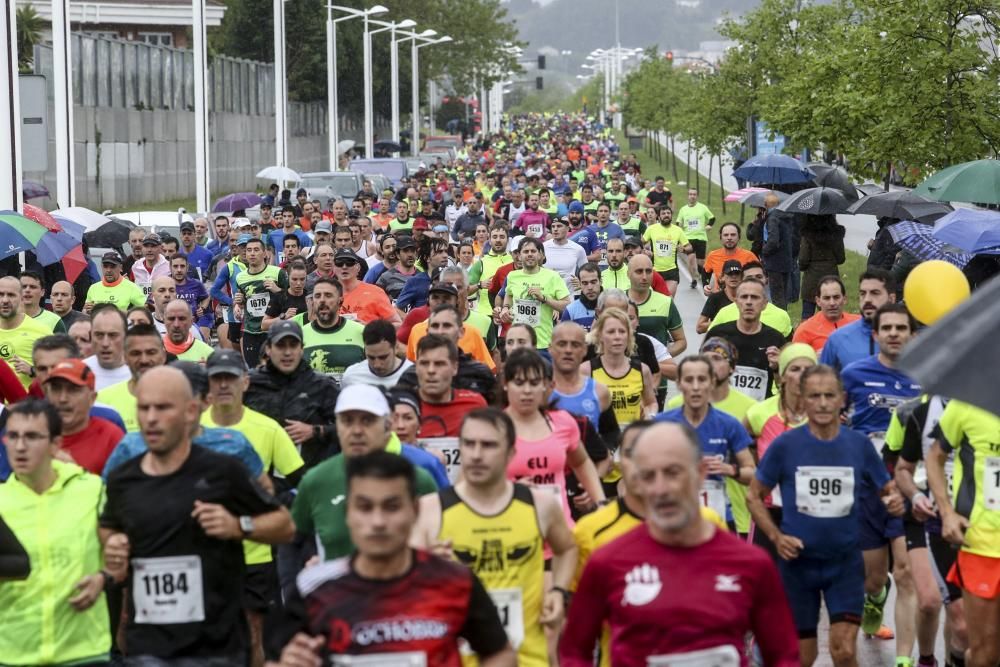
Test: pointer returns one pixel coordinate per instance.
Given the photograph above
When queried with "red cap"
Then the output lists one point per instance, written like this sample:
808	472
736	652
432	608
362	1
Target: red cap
421	223
73	370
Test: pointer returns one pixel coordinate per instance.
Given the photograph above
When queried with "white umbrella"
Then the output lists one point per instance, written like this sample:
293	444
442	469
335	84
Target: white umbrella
275	173
344	146
91	220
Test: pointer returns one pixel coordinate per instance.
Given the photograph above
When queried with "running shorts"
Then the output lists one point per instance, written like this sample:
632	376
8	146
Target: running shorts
978	575
839	581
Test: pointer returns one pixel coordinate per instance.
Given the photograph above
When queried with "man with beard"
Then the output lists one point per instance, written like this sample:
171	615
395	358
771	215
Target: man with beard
831	297
433	256
394	279
331	342
581	311
615	276
387	257
533	222
18	332
715	262
856	341
664	241
179	340
563	256
143	350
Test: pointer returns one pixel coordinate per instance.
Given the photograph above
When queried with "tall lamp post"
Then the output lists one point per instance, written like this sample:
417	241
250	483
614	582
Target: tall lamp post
392	27
333	120
10	113
415	92
415	74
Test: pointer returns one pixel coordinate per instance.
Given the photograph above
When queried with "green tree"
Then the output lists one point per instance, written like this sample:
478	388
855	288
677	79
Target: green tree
29	33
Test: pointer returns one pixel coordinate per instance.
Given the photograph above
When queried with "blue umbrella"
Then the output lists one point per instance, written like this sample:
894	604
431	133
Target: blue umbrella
918	238
54	246
74	229
970	229
774	168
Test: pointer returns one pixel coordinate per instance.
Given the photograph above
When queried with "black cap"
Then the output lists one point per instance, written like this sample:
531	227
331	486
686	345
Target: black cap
403	397
225	362
265	204
195	374
446	288
284	329
732	266
151	239
632	241
346	253
111	258
405	241
187	226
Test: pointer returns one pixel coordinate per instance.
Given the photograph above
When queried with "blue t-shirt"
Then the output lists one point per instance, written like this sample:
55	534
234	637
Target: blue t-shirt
823	471
587	238
428	462
612	231
199	259
720	434
578	312
192	292
415	292
276	241
222	440
873	392
109	413
849	344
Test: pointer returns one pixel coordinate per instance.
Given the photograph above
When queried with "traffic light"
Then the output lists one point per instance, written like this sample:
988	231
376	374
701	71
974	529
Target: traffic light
669	56
539	83
541	62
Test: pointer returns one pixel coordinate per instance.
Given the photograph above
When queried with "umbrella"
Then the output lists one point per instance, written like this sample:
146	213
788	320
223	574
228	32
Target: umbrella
53	246
970	229
958	356
74	263
773	168
868	189
278	173
344	146
756	199
91	220
977	182
900	204
32	190
74	229
111	234
237	201
42	217
832	176
736	195
387	146
18	233
918	238
816	201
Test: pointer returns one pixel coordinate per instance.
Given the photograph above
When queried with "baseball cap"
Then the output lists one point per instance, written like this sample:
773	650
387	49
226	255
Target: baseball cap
187	226
73	371
265	204
243	239
346	253
240	223
576	207
225	362
280	330
732	266
632	241
446	288
301	191
151	239
421	223
363	398
405	241
111	258
195	374
324	226
441	229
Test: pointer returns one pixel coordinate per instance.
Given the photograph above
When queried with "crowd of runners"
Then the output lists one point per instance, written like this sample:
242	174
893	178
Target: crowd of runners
460	422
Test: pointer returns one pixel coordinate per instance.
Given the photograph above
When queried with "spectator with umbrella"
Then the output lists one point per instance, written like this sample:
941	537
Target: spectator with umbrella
821	252
776	234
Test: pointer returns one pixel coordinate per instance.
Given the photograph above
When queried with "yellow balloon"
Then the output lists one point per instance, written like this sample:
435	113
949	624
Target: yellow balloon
933	289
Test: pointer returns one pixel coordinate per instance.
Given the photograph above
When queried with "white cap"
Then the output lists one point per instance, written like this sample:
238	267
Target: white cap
240	223
363	398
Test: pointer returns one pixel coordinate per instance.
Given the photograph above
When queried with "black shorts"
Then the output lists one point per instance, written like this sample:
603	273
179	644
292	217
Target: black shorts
235	332
916	535
260	587
673	274
699	247
943	557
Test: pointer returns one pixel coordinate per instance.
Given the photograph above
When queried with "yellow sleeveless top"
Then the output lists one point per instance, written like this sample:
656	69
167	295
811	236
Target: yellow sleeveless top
506	553
626	391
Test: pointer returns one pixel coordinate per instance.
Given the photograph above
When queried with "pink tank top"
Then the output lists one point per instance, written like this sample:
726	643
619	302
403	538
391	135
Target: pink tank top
542	463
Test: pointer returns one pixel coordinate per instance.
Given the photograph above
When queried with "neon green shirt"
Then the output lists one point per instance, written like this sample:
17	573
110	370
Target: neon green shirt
50	320
664	242
20	342
694	220
527	310
121	399
123	293
331	351
772	316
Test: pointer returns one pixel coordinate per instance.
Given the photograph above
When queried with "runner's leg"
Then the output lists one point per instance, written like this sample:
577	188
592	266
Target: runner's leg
906	599
984	630
843	644
928	601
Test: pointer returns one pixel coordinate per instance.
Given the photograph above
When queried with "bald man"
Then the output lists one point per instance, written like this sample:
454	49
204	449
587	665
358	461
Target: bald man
63	297
677	569
180	340
577	394
187	590
658	315
18	332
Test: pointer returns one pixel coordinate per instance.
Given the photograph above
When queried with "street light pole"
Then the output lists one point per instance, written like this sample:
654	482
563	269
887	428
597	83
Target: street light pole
394	82
201	152
280	87
10	112
369	118
63	103
415	86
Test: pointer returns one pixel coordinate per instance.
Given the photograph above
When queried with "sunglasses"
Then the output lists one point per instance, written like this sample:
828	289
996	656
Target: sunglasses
344	263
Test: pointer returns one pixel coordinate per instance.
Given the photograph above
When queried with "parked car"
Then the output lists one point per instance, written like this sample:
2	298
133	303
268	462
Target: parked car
324	185
157	222
379	183
394	169
437	143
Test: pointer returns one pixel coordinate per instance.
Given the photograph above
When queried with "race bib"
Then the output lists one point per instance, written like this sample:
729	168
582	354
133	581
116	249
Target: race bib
664	249
405	659
257	304
147	289
751	381
720	656
511	610
713	496
535	231
991	483
448	448
167	590
693	223
824	492
527	311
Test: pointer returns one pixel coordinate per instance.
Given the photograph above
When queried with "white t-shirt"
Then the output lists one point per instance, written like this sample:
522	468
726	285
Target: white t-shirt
104	377
564	259
360	373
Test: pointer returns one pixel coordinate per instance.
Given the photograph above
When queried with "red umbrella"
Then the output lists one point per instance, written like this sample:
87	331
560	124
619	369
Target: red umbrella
74	263
42	217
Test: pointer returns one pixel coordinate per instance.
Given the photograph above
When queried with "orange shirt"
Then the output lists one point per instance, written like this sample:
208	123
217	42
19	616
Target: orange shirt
366	303
383	219
818	328
471	343
719	256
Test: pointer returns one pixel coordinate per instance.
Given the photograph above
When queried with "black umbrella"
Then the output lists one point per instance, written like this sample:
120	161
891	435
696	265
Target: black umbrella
816	201
832	176
111	234
958	356
387	146
902	205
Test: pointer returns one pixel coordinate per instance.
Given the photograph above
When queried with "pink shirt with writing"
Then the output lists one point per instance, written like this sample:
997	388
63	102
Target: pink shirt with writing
542	463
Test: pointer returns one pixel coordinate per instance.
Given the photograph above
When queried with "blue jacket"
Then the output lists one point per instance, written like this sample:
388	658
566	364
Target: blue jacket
849	344
415	292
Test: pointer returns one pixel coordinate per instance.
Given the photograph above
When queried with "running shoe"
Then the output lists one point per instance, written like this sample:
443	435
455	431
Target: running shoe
694	284
871	618
884	633
902	661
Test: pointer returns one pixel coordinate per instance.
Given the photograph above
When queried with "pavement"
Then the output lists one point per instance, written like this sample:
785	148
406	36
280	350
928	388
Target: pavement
871	652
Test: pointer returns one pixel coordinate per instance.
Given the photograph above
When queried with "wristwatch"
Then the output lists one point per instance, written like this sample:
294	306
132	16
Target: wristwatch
246	525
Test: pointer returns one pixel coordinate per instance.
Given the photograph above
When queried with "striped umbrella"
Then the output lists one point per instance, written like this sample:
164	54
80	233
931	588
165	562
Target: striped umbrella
919	240
736	195
18	233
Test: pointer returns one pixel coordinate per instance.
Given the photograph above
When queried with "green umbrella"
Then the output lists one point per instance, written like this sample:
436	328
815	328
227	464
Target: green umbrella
977	182
18	233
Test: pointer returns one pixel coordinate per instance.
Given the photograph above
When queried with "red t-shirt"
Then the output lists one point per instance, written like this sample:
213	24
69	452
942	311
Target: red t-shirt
92	446
415	316
661	600
443	420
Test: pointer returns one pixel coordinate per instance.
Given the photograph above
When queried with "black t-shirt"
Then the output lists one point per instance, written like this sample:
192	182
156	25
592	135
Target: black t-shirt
425	610
751	353
282	301
715	302
188	582
658	198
